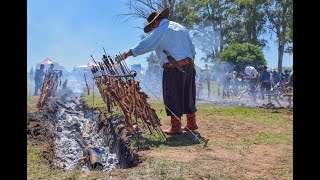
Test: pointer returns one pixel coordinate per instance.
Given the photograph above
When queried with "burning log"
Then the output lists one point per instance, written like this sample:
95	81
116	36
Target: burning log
94	159
89	154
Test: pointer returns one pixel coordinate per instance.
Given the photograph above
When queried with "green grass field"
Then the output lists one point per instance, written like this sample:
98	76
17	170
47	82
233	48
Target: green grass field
245	143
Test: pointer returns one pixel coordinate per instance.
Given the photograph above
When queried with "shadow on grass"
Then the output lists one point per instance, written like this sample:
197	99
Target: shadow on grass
184	139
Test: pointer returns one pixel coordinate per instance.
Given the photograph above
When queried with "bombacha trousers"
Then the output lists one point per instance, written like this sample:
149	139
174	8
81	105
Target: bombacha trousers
179	90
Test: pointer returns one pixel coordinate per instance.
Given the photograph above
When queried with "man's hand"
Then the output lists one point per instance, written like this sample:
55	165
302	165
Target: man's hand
129	53
121	57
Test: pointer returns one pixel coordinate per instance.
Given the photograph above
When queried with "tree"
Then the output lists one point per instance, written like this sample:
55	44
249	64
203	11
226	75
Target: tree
289	37
143	8
246	22
219	23
208	25
213	24
280	16
152	59
239	54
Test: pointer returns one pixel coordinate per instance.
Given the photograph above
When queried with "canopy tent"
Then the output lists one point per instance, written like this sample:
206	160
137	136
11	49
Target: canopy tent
47	61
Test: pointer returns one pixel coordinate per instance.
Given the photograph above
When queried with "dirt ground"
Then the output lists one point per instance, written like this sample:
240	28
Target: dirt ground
40	132
252	161
244	143
241	146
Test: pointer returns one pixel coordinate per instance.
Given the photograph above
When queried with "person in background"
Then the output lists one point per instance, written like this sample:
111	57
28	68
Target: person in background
290	79
289	83
275	78
226	83
235	83
285	76
51	68
252	76
64	86
265	84
38	79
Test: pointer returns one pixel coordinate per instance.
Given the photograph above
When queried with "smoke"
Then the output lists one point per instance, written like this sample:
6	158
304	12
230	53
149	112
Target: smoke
76	81
220	83
76	85
151	83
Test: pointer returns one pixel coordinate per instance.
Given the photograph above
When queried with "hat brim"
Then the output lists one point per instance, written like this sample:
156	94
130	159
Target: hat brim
164	13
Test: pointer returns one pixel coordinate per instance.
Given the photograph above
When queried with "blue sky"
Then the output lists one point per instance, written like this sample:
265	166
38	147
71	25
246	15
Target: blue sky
68	31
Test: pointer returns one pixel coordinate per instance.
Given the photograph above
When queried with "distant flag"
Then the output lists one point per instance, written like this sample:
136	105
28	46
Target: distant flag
47	61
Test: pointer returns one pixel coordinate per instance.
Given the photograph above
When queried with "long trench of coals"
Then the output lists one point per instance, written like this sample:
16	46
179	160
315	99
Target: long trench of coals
77	143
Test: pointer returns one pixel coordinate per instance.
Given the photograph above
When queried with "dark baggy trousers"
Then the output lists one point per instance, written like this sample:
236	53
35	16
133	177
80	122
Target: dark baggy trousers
179	90
252	85
38	85
265	87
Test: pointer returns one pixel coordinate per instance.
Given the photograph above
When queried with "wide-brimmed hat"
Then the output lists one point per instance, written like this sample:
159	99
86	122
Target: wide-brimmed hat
153	16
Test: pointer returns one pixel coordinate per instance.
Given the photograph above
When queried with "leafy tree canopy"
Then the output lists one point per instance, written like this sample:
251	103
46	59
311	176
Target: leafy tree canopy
239	54
152	58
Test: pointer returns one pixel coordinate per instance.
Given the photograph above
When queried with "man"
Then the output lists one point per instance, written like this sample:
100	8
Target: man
235	83
289	83
275	78
51	68
38	79
290	79
285	76
226	83
179	90
265	84
252	75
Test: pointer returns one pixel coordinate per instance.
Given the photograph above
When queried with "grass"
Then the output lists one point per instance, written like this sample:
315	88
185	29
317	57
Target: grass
157	168
37	166
283	170
270	138
264	117
275	128
32	103
261	116
95	100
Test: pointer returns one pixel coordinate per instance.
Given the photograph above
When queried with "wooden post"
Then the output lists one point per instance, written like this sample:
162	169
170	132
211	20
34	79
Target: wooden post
86	83
208	80
108	104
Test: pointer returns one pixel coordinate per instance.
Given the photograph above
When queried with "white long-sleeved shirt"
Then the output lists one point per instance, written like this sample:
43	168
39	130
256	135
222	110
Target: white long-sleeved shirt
251	71
169	36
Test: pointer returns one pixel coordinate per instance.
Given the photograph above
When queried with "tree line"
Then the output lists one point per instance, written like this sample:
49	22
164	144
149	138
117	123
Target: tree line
228	30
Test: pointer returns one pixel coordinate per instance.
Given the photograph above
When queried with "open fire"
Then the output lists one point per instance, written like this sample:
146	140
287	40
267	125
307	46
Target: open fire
77	141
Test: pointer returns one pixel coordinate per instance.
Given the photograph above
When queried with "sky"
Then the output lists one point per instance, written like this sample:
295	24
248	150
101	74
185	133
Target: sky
69	31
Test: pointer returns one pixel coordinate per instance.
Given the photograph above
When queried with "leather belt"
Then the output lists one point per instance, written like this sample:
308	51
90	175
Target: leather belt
180	63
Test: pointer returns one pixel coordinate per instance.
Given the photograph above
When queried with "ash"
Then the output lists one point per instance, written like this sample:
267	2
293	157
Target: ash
68	152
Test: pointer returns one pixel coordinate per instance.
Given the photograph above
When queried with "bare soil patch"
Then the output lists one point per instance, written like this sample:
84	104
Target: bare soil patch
40	131
227	153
